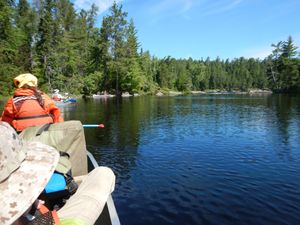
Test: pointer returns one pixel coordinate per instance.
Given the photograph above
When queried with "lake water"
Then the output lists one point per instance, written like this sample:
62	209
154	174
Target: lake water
220	159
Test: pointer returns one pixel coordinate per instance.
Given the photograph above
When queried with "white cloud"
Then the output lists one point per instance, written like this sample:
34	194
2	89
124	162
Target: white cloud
178	6
296	38
219	6
168	8
260	53
102	5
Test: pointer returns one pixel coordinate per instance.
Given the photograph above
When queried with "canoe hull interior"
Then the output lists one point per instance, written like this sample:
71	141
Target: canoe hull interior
109	214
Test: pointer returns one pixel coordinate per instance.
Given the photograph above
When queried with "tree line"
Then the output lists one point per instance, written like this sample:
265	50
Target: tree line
67	51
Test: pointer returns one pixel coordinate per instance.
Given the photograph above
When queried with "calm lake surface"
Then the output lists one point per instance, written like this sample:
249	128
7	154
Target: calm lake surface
220	159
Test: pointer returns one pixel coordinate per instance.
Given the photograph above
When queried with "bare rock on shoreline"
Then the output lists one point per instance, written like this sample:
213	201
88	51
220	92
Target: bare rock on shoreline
174	93
259	91
198	92
126	94
159	94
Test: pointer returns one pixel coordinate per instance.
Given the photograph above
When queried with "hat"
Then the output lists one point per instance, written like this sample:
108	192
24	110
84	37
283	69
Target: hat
25	169
26	78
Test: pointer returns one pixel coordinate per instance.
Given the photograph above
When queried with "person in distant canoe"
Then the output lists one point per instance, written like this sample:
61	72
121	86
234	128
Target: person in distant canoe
29	106
56	96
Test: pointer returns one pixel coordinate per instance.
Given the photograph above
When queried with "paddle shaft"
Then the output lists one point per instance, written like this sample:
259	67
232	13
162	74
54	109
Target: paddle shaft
93	125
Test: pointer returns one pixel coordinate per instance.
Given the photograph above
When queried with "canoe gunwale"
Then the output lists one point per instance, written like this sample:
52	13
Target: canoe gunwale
114	218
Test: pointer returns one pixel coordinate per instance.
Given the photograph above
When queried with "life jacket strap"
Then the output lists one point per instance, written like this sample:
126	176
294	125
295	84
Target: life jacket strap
43	128
55	218
32	117
19	100
43	209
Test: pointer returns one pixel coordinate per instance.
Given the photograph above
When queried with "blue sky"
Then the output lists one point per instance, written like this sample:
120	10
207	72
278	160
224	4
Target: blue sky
208	28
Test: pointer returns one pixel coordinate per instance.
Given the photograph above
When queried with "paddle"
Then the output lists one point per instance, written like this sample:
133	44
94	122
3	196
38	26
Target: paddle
93	125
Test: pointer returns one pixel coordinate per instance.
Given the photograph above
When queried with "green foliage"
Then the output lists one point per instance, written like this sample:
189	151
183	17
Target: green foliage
91	83
65	50
283	66
9	43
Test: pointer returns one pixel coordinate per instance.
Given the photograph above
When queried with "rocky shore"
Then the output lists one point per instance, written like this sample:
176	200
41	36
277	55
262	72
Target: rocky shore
216	92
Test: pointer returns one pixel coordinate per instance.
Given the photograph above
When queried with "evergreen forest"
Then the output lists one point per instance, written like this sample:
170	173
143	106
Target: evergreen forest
67	51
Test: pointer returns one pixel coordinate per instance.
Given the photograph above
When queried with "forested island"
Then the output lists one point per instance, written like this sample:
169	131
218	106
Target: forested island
66	51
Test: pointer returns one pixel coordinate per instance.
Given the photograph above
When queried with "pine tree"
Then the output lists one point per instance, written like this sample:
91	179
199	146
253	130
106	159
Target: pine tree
114	37
284	65
289	50
9	42
134	79
101	55
25	22
45	45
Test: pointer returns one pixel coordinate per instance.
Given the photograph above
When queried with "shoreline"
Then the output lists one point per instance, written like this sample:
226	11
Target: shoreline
213	92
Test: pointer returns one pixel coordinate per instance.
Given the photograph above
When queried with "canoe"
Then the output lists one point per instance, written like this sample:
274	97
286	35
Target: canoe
65	103
71	100
109	215
103	96
58	195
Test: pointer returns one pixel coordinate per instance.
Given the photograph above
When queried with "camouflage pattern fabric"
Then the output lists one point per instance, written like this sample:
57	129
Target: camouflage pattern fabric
25	169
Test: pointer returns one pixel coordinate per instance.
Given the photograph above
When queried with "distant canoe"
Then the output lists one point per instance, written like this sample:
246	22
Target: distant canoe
72	100
103	96
126	94
65	102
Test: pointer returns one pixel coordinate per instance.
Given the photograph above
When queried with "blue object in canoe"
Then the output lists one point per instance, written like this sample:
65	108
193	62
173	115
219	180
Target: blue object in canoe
56	183
72	100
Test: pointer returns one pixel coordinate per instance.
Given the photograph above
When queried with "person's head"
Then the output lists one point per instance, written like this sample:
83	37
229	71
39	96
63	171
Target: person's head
26	80
25	169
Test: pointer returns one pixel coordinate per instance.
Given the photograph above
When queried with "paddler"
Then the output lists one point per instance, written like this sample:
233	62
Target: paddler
29	106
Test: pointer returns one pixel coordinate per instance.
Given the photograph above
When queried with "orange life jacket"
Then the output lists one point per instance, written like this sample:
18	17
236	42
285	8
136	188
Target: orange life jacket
23	110
29	113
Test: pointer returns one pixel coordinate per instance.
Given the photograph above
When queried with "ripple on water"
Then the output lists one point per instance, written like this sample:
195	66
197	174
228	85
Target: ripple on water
207	161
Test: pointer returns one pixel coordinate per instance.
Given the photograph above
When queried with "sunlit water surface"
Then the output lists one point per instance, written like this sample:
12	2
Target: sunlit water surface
232	159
